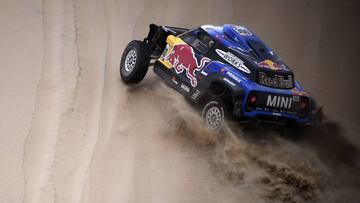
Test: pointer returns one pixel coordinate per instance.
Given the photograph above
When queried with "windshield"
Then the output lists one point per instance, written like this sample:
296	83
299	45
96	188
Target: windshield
198	40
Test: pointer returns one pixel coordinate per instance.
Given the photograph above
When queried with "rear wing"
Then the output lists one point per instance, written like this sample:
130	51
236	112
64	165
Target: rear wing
156	38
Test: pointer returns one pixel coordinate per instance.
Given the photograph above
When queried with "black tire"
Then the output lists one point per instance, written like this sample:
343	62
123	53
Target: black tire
134	62
213	114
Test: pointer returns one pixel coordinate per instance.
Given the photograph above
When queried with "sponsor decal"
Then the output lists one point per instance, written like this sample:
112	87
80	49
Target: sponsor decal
276	114
270	64
204	73
166	51
174	80
279	102
233	60
233	76
185	87
228	81
296	98
276	81
242	30
195	94
182	59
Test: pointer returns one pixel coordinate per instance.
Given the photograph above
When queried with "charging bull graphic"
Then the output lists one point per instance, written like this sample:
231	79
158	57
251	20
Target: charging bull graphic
182	58
271	65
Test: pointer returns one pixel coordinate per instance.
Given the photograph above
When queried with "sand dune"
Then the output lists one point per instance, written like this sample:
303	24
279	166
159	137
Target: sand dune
71	131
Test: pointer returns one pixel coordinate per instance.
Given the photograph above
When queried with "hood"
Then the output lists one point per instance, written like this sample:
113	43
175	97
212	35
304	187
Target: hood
247	44
257	61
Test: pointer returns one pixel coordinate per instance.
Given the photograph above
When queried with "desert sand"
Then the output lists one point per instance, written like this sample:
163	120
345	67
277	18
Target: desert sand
71	131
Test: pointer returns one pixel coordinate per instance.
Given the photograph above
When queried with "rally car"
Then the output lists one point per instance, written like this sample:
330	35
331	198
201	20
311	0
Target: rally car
227	70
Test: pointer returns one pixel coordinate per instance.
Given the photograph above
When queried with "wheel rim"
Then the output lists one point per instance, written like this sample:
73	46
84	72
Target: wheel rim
214	118
130	61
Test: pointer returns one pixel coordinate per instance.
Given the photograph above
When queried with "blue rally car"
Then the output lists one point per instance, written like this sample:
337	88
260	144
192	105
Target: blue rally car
227	70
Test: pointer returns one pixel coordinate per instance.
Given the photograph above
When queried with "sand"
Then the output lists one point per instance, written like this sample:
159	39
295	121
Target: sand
71	131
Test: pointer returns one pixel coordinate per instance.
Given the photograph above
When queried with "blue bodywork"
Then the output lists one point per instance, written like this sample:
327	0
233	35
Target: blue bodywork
230	37
248	86
258	84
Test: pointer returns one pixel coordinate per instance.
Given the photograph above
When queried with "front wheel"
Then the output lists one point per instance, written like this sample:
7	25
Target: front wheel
213	114
134	62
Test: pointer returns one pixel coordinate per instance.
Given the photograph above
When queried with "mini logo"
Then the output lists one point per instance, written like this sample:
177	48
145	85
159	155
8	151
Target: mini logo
279	102
233	60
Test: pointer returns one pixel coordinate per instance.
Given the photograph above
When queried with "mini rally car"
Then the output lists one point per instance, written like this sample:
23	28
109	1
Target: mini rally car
227	70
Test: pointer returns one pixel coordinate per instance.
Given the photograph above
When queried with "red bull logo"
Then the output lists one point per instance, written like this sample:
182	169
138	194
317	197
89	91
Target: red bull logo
271	65
182	58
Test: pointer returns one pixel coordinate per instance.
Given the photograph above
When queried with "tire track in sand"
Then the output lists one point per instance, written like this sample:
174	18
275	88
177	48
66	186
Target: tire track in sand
41	141
64	128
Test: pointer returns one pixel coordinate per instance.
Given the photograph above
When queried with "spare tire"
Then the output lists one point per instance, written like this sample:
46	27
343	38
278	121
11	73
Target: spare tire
134	62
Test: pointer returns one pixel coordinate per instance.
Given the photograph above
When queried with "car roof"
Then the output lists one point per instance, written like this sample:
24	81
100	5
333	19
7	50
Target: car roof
240	38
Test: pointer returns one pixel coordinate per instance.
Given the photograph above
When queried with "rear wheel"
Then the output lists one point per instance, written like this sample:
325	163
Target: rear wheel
134	62
213	114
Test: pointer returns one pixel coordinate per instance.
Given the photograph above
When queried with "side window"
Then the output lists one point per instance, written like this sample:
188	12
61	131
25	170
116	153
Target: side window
198	40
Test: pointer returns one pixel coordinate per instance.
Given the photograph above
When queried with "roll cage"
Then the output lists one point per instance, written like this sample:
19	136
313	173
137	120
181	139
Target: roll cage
156	38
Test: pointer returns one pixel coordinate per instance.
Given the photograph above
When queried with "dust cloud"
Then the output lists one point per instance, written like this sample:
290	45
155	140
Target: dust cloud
264	163
257	163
